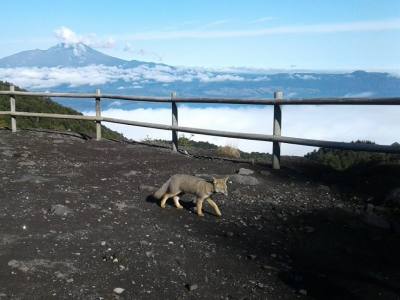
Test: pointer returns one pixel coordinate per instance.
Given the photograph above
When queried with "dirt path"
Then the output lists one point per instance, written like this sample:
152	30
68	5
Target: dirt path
77	222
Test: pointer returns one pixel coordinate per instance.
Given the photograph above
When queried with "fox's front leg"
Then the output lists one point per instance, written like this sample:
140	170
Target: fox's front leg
199	206
215	206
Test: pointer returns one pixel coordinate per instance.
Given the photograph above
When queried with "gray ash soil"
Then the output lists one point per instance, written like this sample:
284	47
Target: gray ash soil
78	220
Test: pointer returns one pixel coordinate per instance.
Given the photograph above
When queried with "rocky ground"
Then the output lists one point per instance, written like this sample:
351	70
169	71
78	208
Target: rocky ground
77	222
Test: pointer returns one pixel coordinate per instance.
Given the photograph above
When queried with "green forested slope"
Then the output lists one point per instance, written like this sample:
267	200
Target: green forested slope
46	105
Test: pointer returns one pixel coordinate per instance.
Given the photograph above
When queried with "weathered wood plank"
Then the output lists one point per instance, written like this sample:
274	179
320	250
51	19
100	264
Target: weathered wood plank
12	109
55	116
298	101
98	116
277	125
238	135
263	137
174	123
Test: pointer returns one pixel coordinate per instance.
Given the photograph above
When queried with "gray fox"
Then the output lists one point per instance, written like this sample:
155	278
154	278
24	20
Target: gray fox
181	183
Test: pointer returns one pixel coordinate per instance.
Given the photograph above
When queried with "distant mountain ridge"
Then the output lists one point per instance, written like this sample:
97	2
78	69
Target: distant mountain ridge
64	55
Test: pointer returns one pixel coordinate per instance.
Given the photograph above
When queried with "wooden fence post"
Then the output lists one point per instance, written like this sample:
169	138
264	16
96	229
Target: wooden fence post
98	116
12	109
276	146
174	123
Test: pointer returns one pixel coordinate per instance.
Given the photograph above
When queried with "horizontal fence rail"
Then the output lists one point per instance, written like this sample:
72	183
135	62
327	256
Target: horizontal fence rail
292	101
276	138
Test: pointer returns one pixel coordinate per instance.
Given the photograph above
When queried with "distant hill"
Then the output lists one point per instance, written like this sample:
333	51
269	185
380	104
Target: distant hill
63	55
345	159
46	105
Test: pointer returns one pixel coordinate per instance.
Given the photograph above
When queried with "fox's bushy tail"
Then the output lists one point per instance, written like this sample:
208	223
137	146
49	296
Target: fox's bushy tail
158	194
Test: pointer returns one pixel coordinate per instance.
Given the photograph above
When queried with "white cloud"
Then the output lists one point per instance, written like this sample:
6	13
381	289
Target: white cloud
36	78
128	47
106	43
262	20
69	37
361	26
360	95
306	76
219	78
116	103
338	123
216	23
39	78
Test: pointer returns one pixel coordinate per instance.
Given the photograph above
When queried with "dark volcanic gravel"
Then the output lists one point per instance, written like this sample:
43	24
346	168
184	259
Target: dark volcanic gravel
77	222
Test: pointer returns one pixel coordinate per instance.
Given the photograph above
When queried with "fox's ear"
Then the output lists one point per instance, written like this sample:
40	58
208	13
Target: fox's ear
214	179
226	179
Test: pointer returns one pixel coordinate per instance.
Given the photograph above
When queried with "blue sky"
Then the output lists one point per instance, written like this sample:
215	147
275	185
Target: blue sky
300	34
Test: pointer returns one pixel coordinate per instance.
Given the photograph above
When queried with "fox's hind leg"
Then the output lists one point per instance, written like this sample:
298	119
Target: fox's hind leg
215	206
177	204
164	200
166	197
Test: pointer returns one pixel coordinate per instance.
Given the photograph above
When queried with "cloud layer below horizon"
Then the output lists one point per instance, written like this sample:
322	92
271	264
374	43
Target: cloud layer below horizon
48	77
345	123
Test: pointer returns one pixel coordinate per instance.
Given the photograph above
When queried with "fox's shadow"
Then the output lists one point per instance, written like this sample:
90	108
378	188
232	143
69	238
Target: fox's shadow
187	202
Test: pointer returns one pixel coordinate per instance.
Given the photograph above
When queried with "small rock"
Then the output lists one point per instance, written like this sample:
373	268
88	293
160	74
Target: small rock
244	171
340	205
18	265
60	210
370	208
267	267
131	173
149	253
265	172
144	243
252	256
229	234
245	180
103	243
309	229
118	290
192	287
303	292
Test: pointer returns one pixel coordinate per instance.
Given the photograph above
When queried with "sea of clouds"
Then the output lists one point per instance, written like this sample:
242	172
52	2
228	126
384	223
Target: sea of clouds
336	123
94	75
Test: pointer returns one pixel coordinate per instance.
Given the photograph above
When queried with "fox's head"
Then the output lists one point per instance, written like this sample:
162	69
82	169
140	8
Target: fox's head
220	185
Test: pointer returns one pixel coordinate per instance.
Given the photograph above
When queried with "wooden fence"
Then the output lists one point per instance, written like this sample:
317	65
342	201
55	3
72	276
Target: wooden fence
276	138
